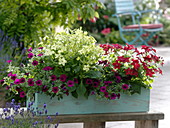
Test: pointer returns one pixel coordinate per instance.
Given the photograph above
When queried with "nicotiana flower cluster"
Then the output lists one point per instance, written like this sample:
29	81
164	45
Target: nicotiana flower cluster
14	116
74	65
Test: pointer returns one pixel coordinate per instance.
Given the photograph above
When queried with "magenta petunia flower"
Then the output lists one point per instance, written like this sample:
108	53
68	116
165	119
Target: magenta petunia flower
70	83
125	86
106	83
40	47
30	82
10	74
22	94
30	55
35	63
103	89
39	82
29	50
96	84
9	61
47	68
55	89
44	88
22	80
41	54
13	76
113	96
89	81
76	80
63	77
2	81
7	87
106	94
53	77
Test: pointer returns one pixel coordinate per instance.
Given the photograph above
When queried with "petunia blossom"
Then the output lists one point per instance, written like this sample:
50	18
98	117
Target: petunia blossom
22	94
70	83
63	77
22	80
125	86
53	77
30	55
9	61
38	82
55	89
35	63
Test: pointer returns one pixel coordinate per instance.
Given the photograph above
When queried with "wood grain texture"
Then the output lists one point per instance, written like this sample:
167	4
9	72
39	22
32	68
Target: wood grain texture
108	117
94	125
146	124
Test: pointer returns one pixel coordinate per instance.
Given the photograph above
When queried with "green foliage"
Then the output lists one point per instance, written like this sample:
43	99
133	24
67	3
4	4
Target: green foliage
105	21
32	20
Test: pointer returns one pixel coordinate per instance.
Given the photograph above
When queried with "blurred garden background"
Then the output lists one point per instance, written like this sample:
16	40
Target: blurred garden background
27	23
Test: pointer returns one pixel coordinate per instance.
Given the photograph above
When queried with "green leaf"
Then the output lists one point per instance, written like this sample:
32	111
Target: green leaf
94	74
81	90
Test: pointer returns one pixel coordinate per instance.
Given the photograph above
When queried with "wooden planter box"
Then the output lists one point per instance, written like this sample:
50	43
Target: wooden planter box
71	105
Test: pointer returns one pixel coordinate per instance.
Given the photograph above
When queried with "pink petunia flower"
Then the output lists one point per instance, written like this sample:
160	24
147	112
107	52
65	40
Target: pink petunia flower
9	61
13	76
55	89
103	89
30	55
47	68
22	80
70	83
22	94
125	86
63	77
53	77
38	82
17	81
35	63
41	54
29	50
106	31
30	82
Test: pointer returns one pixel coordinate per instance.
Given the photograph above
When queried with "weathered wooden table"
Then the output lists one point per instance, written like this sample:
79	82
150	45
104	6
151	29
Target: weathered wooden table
142	120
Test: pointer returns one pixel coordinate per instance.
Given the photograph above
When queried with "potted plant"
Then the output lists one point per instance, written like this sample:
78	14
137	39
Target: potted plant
71	65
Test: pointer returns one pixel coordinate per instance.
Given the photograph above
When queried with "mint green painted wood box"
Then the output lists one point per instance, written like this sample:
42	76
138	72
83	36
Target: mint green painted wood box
71	105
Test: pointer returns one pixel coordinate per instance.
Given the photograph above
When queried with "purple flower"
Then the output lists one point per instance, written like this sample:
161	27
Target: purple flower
29	50
38	82
63	77
96	84
45	105
10	74
89	81
113	96
13	76
47	68
53	77
30	82
30	55
93	93
55	89
103	89
9	61
22	94
118	95
7	87
118	79
22	80
106	94
41	54
106	83
44	88
76	80
70	83
35	63
2	81
40	47
125	86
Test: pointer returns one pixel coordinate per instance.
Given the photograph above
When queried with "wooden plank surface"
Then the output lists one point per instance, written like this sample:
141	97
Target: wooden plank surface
94	125
108	117
146	124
